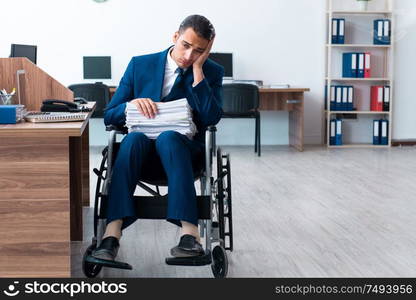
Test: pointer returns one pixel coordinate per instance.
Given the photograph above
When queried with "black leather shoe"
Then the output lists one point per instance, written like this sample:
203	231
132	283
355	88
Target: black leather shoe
188	247
108	249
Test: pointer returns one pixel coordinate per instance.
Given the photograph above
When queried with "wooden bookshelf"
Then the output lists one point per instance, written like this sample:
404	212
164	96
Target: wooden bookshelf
382	66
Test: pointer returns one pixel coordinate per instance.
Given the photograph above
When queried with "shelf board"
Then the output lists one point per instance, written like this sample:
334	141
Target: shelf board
358	12
359	146
360	112
358	79
357	46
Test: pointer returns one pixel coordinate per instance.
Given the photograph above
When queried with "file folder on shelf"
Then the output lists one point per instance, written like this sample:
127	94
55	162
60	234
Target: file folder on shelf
333	97
386	32
360	68
332	132
344	98
334	35
382	32
338	31
378	32
341	97
376	132
376	98
338	99
349	65
350	97
384	133
386	98
367	65
338	132
341	31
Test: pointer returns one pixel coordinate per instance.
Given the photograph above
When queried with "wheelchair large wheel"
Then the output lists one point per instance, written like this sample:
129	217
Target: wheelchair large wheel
90	270
219	264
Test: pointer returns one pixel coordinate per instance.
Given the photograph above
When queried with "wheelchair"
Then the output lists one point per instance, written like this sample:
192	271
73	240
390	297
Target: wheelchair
214	207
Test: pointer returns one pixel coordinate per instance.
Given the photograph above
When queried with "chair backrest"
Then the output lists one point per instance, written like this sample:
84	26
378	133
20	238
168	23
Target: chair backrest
240	98
97	92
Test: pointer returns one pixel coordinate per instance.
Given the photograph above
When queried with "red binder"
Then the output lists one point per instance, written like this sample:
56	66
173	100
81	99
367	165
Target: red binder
376	98
367	65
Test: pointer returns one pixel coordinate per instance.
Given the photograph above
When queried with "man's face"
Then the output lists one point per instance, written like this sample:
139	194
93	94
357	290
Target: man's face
188	47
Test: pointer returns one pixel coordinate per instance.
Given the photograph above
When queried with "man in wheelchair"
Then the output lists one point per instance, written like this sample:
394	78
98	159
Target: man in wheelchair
181	71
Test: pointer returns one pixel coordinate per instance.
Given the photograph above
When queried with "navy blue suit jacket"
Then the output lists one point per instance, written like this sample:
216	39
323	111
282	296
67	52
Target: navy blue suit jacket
144	79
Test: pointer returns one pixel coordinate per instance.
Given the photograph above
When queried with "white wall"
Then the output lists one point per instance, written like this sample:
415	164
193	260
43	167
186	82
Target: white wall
404	113
277	41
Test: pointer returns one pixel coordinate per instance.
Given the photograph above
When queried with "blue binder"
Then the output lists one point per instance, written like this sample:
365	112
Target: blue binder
334	33
376	132
341	31
332	131
386	32
338	98
350	97
338	132
386	98
344	98
384	132
378	32
333	97
360	65
349	65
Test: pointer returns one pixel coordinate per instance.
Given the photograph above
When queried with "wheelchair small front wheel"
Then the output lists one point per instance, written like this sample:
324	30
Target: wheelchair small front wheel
219	264
90	270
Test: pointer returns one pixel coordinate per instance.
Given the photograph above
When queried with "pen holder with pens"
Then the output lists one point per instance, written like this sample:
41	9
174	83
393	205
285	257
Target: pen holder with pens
6	99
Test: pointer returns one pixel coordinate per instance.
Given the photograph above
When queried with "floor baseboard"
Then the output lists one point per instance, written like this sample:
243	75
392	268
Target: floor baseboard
409	142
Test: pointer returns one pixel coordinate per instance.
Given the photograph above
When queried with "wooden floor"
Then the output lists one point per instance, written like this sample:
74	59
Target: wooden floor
317	213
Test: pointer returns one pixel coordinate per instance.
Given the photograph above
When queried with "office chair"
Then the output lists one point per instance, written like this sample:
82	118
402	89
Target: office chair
241	100
97	92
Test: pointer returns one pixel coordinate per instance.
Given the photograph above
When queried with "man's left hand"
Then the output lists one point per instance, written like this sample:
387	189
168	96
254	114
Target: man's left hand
197	67
201	60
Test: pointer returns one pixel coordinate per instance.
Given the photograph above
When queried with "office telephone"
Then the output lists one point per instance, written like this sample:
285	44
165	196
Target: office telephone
53	105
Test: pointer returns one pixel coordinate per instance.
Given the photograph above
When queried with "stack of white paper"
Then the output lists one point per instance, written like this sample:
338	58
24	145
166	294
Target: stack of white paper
173	115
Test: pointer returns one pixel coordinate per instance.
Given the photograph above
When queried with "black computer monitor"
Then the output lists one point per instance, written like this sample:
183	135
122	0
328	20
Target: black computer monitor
28	51
97	67
225	60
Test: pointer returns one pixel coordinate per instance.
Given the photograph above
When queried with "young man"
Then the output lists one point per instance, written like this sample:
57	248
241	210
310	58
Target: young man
181	71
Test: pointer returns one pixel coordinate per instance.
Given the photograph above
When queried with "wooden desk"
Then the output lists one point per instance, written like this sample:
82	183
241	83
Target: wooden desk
290	100
44	180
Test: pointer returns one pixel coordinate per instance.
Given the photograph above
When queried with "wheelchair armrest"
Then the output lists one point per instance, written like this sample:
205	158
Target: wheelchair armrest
119	129
212	128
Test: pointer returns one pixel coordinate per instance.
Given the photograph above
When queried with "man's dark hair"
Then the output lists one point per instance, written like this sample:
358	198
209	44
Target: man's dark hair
201	25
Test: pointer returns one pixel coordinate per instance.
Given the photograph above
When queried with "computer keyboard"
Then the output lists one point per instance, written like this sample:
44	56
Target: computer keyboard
46	117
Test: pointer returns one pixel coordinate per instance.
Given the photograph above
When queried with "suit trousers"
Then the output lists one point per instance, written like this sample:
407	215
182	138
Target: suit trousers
170	156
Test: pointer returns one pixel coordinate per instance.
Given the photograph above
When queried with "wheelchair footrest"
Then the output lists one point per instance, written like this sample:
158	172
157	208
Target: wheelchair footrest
190	261
108	263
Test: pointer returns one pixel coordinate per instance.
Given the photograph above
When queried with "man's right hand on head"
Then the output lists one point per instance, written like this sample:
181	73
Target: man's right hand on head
146	107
